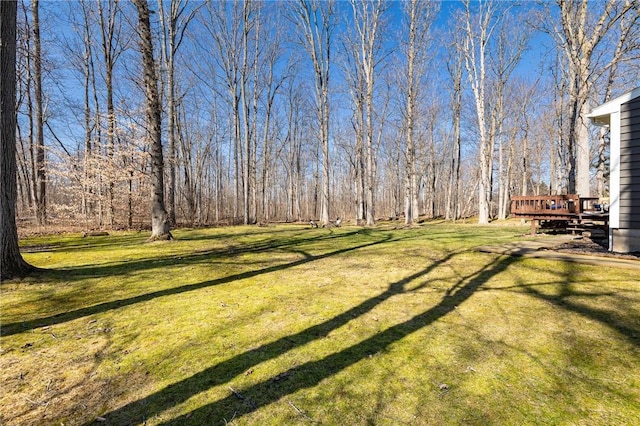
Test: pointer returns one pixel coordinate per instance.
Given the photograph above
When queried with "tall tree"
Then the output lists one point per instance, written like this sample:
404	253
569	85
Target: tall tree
224	26
110	51
24	96
174	24
273	85
159	220
511	42
627	47
353	71
455	68
420	16
248	137
583	28
13	265
316	21
293	147
479	26
41	178
86	71
367	17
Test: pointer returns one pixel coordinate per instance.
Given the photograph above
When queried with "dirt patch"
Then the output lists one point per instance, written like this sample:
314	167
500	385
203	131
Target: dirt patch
592	246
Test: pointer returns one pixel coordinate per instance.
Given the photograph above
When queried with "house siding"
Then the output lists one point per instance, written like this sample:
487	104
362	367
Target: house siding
627	236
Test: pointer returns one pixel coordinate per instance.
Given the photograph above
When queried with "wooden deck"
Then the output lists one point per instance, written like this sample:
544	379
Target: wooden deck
565	211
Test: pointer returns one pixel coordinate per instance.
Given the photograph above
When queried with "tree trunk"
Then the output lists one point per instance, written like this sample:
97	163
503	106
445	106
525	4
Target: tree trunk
316	22
88	149
32	168
25	153
412	81
475	57
159	219
246	134
273	55
108	39
13	265
579	37
254	124
323	79
171	127
432	177
41	178
168	52
454	185
359	167
364	47
97	145
482	56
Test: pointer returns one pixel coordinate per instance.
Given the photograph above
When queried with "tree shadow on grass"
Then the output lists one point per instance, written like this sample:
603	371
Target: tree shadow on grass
308	374
72	244
19	327
566	298
199	256
106	242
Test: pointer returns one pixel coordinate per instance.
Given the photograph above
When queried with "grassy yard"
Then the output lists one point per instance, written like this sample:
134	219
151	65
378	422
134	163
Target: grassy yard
287	325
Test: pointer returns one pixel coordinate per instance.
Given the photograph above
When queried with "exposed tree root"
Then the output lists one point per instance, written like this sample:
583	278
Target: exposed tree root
162	237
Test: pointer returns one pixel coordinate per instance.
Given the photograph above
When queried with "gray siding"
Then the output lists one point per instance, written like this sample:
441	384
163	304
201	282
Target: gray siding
630	164
630	151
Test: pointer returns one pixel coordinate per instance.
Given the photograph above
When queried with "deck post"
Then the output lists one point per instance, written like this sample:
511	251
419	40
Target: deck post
533	227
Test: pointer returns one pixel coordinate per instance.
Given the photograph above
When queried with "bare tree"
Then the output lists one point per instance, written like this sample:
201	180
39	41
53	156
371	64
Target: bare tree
420	16
580	33
355	152
628	43
88	146
479	28
524	110
24	90
455	68
367	18
110	51
159	220
13	265
316	21
174	24
248	138
225	27
511	42
41	177
293	148
273	84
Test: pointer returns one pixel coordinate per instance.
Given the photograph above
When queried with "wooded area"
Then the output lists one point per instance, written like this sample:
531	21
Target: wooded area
312	110
181	115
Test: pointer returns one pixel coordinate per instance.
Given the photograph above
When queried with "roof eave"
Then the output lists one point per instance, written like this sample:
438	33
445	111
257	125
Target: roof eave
601	114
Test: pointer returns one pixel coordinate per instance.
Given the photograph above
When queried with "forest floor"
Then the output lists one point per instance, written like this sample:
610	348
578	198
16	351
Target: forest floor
290	325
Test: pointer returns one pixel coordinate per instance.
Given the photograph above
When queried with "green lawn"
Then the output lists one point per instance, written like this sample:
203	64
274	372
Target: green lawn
287	325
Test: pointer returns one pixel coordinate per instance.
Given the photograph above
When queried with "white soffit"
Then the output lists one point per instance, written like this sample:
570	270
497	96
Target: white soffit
601	115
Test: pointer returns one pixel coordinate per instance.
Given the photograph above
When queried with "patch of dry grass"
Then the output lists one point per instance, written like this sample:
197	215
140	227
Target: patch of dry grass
286	325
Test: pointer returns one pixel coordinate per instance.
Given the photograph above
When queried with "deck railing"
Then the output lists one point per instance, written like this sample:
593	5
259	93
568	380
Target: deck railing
552	205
